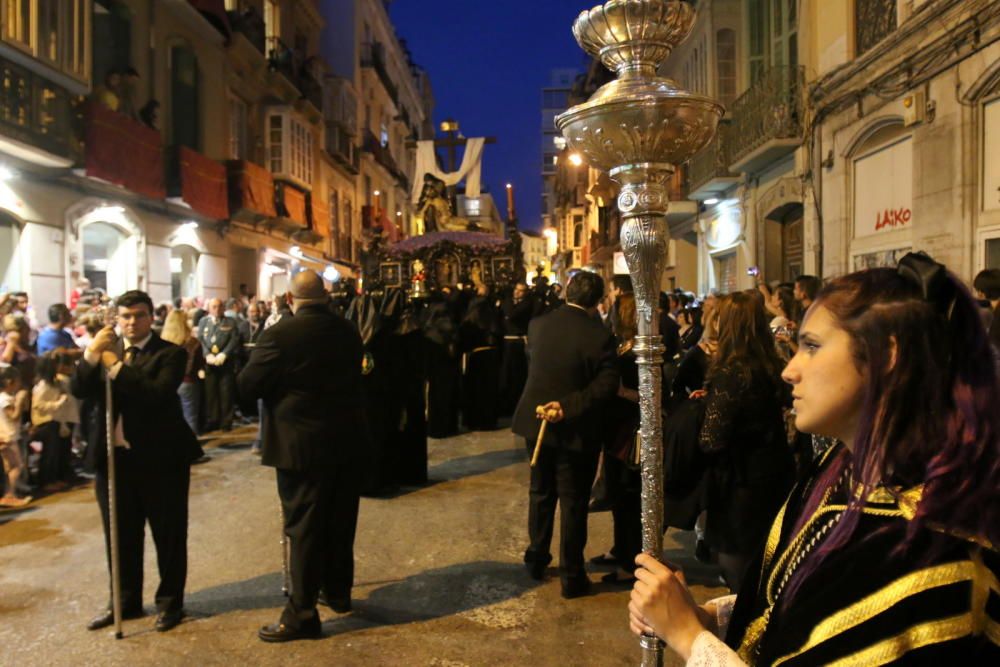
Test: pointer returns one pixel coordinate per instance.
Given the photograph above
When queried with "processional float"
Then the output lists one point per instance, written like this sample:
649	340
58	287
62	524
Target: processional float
640	128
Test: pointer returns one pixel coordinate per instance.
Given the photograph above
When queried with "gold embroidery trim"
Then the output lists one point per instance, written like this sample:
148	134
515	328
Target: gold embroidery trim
911	639
884	598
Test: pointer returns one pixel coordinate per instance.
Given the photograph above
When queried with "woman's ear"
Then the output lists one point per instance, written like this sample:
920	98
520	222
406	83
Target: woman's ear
893	351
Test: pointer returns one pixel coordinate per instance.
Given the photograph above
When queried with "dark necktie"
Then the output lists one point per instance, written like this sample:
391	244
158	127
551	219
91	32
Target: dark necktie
130	355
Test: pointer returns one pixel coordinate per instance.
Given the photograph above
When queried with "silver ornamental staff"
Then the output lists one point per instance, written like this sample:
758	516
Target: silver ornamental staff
286	576
639	127
116	584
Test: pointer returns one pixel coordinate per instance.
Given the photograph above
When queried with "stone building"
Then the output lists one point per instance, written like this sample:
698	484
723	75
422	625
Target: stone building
906	130
231	159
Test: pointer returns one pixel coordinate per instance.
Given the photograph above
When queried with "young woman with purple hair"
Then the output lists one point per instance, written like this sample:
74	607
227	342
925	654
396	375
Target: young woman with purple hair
887	552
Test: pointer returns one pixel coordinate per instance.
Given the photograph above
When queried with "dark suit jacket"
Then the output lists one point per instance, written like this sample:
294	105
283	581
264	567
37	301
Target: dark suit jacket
307	369
145	395
671	333
571	359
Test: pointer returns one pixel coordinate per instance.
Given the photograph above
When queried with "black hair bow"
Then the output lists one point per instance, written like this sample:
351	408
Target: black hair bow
931	278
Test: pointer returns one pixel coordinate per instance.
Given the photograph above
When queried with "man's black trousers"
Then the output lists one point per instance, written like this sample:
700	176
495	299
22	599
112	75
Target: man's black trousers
158	496
565	477
220	395
321	515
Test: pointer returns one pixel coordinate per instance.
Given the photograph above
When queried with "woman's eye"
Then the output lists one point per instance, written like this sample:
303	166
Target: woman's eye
811	347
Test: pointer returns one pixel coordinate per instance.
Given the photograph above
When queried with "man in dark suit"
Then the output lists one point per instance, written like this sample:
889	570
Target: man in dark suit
154	448
307	369
571	373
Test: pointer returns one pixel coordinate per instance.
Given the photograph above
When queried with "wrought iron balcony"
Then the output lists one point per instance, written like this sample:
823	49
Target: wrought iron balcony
247	22
767	120
299	71
373	56
340	146
708	171
384	157
38	113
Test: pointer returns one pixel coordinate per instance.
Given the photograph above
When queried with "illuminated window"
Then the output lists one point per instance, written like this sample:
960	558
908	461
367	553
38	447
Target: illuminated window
290	147
55	31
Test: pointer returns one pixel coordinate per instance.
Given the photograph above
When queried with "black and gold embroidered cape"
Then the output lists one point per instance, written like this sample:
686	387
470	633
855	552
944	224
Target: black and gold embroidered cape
866	604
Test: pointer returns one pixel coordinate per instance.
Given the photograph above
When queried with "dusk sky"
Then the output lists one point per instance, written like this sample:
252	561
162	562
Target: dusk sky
488	62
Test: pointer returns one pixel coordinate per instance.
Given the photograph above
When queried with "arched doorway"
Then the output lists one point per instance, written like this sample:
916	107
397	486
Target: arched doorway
183	272
9	270
109	258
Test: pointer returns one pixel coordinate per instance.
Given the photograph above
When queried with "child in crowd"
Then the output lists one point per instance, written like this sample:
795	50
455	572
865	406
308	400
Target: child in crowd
12	402
53	413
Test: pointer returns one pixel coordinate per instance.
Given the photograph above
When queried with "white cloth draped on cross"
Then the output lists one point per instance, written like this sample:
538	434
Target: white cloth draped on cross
471	168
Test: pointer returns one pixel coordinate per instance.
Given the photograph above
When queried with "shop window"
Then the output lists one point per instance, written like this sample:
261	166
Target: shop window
183	272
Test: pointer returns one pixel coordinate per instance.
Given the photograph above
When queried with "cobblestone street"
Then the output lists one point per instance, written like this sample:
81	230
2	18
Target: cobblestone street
439	579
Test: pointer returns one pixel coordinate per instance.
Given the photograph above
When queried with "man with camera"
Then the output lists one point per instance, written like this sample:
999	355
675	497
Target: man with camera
154	449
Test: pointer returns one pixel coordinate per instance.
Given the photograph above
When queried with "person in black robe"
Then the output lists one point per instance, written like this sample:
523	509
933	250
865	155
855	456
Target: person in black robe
516	310
443	368
479	336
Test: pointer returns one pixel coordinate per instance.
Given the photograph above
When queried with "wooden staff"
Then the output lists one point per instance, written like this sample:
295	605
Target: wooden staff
116	585
540	411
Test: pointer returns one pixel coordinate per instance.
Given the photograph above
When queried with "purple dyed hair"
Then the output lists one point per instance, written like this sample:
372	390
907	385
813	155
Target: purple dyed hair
929	412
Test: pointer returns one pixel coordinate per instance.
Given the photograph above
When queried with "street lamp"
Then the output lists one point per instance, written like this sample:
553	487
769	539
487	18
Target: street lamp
575	159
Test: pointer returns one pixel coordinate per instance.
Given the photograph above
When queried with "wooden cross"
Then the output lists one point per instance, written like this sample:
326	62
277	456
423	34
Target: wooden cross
452	141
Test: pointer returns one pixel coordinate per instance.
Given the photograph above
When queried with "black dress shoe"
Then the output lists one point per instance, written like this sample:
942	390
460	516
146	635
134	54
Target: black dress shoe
279	632
575	588
167	620
536	570
107	618
604	559
341	605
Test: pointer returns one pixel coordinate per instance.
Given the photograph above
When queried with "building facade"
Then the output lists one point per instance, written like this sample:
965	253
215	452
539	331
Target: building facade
230	157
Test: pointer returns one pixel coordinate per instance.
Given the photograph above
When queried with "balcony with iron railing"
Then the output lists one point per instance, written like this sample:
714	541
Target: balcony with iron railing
246	21
874	20
38	113
340	146
708	171
296	69
383	156
767	120
373	57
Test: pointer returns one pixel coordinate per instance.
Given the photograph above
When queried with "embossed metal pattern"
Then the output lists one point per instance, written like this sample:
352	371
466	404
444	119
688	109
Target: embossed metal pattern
639	127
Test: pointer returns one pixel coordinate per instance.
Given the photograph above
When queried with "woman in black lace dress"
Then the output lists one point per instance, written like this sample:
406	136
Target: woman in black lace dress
750	465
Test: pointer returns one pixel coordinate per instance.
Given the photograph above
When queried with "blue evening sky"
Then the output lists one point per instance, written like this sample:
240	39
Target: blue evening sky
488	61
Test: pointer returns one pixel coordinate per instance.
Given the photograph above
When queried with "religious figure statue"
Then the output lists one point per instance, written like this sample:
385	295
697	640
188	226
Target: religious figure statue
433	206
476	272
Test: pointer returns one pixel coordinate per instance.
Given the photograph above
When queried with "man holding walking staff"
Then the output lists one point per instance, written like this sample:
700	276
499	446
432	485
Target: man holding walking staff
571	373
154	449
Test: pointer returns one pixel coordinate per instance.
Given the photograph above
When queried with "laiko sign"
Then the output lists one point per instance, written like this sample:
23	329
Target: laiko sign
899	217
883	189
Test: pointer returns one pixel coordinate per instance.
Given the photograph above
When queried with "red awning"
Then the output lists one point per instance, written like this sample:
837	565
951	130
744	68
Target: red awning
251	188
203	184
295	204
320	218
124	152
